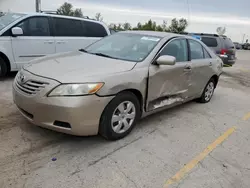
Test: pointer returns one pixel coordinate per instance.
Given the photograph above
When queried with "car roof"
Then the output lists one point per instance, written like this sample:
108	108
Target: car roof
154	33
56	15
206	35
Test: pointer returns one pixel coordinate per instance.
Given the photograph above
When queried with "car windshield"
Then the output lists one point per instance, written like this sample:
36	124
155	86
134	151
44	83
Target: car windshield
8	18
125	46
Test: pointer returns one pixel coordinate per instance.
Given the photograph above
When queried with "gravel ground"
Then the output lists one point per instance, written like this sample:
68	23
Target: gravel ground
155	151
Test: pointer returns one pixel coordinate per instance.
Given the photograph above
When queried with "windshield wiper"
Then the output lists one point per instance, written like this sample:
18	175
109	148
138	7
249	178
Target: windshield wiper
83	50
103	55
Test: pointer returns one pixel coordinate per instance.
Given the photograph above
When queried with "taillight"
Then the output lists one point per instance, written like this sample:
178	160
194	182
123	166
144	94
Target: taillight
223	51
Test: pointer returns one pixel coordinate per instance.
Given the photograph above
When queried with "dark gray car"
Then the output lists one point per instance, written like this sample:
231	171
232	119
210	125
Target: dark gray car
221	45
246	46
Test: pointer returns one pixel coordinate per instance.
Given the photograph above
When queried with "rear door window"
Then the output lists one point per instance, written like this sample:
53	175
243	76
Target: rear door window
209	41
68	27
196	50
206	54
94	29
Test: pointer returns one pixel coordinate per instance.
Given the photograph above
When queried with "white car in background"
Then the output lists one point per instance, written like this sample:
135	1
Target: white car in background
24	37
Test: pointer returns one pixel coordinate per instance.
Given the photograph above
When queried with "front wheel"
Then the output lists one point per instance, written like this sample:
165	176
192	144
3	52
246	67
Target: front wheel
208	92
120	116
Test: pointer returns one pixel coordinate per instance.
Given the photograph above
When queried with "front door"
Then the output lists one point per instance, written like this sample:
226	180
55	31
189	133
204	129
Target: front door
35	42
169	84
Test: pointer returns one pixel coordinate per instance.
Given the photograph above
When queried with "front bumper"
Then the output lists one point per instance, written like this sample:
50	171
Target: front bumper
82	114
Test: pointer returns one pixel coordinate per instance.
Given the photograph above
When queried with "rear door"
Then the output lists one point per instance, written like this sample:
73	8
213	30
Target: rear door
68	34
74	34
201	67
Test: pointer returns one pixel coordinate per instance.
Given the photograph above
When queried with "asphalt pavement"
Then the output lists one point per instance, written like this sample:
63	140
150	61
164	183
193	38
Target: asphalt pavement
190	146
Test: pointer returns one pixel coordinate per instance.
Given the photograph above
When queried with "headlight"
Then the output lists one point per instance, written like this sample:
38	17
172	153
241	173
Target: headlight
75	89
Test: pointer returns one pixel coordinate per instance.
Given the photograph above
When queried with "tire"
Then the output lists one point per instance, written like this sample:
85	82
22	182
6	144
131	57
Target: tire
204	97
112	123
3	68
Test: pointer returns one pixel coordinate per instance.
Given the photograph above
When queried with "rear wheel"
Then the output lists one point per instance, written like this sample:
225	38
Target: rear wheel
3	68
208	92
120	116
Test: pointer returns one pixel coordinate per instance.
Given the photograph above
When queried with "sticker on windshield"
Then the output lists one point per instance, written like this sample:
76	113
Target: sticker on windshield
150	38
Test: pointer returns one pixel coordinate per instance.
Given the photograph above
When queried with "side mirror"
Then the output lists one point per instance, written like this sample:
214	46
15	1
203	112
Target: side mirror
166	60
17	31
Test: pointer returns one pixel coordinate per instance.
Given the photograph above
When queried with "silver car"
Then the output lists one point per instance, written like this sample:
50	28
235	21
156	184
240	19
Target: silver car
108	86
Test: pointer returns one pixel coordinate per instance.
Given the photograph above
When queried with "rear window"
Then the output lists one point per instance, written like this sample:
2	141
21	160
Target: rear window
228	43
94	29
209	41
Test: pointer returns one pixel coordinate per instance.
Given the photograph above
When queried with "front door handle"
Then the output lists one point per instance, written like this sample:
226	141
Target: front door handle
60	42
188	68
210	64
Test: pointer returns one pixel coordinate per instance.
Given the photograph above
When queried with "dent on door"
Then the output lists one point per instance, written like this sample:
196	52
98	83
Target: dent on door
168	86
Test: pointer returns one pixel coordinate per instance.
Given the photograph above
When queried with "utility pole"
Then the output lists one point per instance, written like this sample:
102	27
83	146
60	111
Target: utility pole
38	5
188	6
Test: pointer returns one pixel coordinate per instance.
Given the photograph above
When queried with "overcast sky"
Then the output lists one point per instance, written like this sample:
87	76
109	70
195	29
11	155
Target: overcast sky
203	15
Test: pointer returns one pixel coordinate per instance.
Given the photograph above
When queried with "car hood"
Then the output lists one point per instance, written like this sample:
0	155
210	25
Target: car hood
76	66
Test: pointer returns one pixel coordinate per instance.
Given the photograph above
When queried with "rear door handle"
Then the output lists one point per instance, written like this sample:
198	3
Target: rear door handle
210	64
49	42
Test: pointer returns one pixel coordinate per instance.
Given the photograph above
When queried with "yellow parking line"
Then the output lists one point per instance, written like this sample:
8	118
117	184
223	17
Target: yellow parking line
188	167
246	117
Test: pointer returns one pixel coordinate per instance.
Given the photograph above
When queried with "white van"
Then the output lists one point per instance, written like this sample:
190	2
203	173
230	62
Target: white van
24	37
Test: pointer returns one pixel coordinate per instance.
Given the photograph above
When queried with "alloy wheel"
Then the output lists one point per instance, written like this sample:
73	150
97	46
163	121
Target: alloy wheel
209	91
123	117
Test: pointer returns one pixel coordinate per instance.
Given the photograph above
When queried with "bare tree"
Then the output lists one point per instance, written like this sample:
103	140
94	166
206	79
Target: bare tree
99	17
